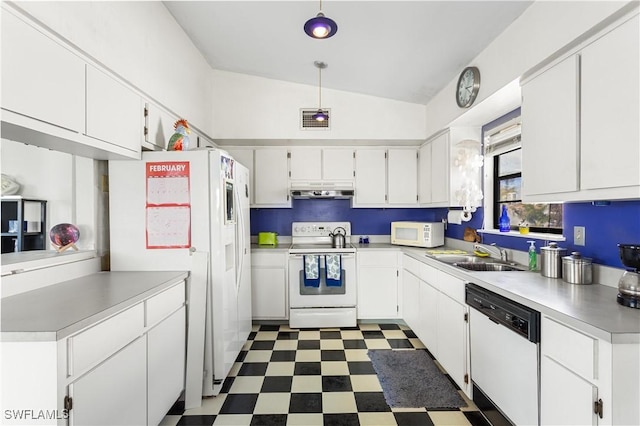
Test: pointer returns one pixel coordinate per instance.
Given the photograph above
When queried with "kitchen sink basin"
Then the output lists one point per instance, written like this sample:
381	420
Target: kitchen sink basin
488	266
455	258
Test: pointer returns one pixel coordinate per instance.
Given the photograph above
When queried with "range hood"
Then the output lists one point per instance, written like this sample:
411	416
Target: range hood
326	190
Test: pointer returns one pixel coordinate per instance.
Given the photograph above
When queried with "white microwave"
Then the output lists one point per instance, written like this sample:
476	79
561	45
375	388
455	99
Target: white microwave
417	234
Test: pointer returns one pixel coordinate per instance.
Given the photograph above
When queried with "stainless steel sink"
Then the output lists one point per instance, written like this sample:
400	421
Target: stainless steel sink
488	266
455	258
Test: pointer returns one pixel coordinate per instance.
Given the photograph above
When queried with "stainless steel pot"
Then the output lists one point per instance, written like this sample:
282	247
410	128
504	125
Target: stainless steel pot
338	239
576	269
551	260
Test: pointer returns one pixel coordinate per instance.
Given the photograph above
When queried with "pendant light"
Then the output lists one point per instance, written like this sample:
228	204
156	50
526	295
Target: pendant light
320	115
320	27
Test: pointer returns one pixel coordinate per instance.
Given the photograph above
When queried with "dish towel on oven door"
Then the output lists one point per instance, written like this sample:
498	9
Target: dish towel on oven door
333	270
311	271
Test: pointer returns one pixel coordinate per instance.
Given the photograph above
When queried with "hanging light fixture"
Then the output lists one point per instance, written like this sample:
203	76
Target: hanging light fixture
320	26
320	115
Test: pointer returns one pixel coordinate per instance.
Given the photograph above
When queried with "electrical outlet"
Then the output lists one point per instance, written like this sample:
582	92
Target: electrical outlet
579	235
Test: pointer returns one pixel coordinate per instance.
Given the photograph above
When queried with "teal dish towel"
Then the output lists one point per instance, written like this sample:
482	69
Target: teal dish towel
333	270
311	271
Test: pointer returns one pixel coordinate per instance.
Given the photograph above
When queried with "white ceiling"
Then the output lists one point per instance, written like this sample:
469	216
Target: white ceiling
403	50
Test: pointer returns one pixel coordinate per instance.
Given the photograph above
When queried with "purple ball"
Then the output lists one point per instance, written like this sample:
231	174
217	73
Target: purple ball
64	234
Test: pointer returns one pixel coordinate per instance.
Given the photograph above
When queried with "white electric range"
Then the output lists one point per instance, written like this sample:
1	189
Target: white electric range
322	278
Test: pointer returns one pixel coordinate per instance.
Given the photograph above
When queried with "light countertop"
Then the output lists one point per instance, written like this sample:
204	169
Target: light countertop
56	311
592	308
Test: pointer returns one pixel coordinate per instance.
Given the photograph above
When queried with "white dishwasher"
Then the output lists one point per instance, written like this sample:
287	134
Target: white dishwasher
505	358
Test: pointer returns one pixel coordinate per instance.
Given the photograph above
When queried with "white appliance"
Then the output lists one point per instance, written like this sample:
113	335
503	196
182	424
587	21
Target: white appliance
505	357
417	234
323	303
172	208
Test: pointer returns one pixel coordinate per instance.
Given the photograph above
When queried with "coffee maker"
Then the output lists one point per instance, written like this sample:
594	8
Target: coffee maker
629	284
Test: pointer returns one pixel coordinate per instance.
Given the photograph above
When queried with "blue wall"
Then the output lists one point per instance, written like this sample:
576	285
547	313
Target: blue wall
606	226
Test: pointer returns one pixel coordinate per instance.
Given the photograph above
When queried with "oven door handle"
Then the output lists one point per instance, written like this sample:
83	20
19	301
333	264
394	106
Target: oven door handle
299	256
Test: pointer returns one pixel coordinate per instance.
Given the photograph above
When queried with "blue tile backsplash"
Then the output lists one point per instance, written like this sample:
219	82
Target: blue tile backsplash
606	226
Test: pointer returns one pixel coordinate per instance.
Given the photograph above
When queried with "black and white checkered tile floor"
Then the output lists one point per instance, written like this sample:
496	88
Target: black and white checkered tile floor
285	376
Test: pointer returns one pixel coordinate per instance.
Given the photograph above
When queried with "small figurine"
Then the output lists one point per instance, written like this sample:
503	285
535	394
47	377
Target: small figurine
180	139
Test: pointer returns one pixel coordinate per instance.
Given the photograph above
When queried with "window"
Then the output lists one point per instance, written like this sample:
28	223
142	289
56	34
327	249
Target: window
503	180
507	178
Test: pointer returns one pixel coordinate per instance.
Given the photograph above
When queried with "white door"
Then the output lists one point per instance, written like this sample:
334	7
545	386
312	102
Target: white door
243	280
113	111
610	107
115	392
440	169
451	338
424	174
166	365
402	166
550	132
271	175
371	177
40	78
377	292
160	127
411	299
306	164
428	324
337	164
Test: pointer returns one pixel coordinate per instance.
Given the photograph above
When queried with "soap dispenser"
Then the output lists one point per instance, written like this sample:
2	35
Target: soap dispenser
504	223
533	257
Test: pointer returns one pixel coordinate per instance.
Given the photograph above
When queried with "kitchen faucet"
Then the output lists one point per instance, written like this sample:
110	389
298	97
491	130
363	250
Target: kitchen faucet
493	248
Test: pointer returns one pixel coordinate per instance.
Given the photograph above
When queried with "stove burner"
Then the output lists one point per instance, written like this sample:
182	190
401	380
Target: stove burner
630	301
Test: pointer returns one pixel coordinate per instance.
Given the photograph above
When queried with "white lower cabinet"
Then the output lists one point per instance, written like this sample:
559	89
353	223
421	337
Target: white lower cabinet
269	291
127	369
378	284
165	365
115	392
577	395
433	306
452	335
586	380
570	372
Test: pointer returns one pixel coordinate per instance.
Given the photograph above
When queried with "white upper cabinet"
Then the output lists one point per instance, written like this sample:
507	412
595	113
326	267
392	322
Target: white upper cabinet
315	164
271	178
245	157
550	130
402	168
158	127
580	122
610	91
306	164
41	79
440	169
113	111
424	174
371	177
338	164
450	174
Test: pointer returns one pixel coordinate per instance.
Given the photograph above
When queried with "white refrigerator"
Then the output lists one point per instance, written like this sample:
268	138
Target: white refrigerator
189	210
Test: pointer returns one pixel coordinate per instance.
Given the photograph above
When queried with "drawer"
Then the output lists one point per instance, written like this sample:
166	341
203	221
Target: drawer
450	285
273	259
162	305
100	341
571	348
411	265
378	258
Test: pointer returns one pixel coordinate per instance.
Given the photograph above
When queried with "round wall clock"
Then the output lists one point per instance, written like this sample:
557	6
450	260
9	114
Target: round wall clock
468	87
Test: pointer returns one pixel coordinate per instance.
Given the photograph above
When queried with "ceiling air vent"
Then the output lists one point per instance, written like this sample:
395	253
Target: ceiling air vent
308	123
